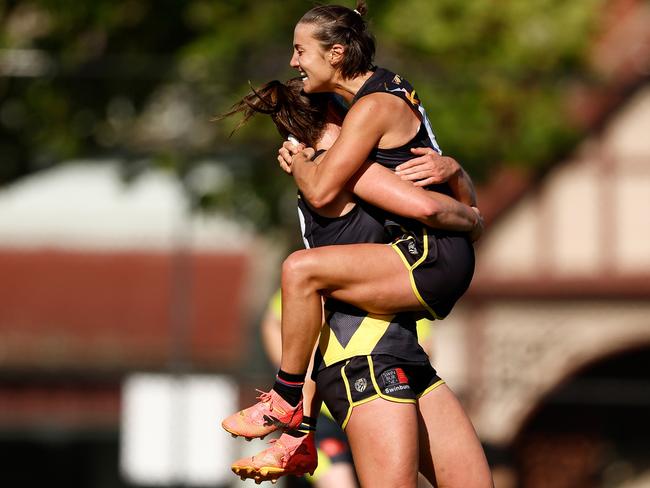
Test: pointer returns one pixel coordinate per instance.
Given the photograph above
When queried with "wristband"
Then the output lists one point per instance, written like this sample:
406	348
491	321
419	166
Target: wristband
317	153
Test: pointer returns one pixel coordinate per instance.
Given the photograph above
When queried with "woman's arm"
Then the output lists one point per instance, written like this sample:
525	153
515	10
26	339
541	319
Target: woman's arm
372	182
429	168
364	126
380	187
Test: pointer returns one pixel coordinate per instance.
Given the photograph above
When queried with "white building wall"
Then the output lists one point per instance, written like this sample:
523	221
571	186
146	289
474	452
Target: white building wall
517	258
587	221
597	200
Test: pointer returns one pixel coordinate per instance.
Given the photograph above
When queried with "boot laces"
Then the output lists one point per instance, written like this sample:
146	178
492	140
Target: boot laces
265	397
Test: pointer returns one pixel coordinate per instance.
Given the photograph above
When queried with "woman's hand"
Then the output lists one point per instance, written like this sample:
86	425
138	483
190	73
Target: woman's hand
428	168
477	231
301	161
291	156
286	154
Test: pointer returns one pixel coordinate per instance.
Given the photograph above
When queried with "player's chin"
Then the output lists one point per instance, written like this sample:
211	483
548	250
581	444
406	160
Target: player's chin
308	86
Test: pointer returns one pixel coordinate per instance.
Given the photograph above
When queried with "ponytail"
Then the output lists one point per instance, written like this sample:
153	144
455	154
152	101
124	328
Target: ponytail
292	111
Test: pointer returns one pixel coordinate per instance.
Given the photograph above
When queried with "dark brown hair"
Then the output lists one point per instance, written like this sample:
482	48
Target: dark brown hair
340	25
292	111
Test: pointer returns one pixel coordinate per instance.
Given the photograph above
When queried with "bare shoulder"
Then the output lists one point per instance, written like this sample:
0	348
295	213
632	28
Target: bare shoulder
375	109
379	100
390	119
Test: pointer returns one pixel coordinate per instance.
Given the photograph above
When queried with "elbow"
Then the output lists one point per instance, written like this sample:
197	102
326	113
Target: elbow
429	211
320	199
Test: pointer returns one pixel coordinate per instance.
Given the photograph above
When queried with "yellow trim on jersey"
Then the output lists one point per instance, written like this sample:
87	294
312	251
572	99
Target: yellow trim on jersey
370	331
356	404
412	97
431	388
348	394
410	269
351	404
378	390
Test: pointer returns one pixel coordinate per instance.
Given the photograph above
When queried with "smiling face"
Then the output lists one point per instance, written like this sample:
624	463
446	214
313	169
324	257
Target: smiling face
314	63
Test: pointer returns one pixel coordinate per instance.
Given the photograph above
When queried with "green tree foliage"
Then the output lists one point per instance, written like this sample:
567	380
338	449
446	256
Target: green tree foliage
494	73
142	79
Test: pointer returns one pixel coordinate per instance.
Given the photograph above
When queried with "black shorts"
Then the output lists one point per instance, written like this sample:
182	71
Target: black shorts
361	379
440	265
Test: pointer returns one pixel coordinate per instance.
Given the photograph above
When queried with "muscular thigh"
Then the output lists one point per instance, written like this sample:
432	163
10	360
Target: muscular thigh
451	454
369	276
383	437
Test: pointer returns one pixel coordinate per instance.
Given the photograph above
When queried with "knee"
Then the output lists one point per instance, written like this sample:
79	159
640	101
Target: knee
298	270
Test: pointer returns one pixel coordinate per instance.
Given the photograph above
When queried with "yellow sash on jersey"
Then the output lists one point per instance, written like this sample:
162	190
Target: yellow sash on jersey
363	341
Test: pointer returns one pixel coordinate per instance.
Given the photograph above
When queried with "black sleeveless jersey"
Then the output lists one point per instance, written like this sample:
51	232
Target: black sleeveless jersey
385	81
364	223
349	331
